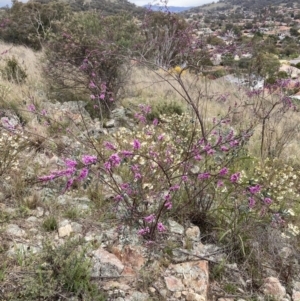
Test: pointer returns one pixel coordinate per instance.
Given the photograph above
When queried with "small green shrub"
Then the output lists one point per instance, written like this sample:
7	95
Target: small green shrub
165	108
59	272
282	74
13	72
50	224
219	73
230	288
72	213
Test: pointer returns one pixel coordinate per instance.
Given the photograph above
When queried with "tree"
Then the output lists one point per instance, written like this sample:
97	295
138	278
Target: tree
31	23
294	32
168	39
265	64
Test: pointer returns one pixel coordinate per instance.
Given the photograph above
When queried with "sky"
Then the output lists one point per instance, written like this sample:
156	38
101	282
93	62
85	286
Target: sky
143	2
8	2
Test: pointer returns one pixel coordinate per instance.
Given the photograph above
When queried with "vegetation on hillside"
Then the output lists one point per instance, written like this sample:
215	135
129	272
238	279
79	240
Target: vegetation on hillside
171	144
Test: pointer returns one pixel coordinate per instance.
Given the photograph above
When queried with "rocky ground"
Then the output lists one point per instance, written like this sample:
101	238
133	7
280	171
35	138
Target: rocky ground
120	265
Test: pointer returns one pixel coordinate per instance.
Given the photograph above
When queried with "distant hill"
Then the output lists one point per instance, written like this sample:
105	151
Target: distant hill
253	5
172	9
108	7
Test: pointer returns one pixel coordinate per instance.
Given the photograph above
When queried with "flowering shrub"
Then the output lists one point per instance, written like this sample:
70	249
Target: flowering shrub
89	55
166	167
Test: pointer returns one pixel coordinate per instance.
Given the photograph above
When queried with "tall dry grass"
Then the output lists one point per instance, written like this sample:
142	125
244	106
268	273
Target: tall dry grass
215	98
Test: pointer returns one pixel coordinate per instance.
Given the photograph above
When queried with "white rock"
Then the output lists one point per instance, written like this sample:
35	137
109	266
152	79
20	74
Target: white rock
109	123
76	227
195	297
273	287
174	227
15	230
138	296
65	230
106	264
193	233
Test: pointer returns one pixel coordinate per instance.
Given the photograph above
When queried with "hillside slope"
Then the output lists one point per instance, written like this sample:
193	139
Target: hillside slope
108	7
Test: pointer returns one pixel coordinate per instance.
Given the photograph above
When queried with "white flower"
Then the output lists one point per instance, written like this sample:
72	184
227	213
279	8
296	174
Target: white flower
294	230
291	212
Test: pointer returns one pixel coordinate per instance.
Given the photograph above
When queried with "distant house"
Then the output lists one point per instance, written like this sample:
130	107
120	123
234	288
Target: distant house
254	82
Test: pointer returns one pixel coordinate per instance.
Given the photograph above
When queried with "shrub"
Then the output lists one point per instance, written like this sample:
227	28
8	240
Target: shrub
165	109
90	55
58	272
50	224
31	23
12	71
282	74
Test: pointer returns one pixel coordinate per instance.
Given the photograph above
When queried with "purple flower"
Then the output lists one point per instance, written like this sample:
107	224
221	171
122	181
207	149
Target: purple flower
184	178
126	153
124	186
92	96
224	148
109	145
137	176
204	176
83	174
223	171
234	143
69	184
268	201
161	227
235	177
168	205
47	178
136	144
198	157
255	189
92	85
144	231
140	117
107	166
220	183
251	202
160	137
118	198
135	167
211	151
115	160
207	147
174	187
145	108
88	159
150	218
155	122
102	96
31	108
70	163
